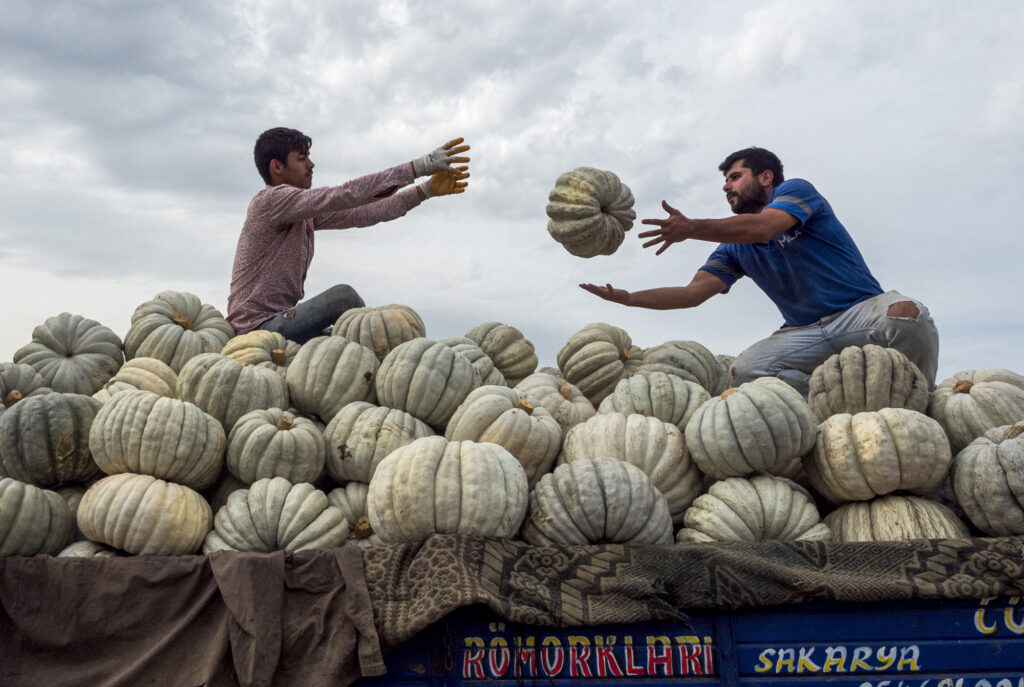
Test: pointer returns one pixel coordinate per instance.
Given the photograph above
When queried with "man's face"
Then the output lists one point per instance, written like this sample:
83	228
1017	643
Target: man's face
745	192
298	170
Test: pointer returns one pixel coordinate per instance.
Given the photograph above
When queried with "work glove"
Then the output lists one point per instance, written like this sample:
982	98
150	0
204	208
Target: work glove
445	182
441	158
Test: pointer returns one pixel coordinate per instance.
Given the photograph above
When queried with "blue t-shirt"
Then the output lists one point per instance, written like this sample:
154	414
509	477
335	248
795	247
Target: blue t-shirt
811	270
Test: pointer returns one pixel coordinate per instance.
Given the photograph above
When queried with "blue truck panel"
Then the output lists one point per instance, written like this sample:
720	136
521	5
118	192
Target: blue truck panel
919	643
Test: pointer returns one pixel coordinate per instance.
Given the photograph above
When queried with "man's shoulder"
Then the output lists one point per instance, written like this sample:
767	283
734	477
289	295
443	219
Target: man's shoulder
799	187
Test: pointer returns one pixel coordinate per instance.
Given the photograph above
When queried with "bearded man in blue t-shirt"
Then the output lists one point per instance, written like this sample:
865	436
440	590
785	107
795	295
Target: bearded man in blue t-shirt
786	238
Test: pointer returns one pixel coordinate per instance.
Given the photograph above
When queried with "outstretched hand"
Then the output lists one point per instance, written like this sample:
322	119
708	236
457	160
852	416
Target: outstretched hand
678	227
448	181
608	292
441	158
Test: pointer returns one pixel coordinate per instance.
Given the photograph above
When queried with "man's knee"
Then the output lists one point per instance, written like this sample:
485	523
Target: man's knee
345	296
907	309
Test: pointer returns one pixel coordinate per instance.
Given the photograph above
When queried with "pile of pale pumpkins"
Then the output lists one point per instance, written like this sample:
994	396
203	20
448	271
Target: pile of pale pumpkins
184	438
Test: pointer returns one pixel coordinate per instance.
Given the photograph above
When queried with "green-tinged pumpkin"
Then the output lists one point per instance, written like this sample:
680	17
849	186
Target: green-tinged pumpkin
88	549
330	372
514	421
426	379
596	357
489	374
894	518
511	352
143	515
433	486
147	434
44	440
361	435
563	401
32	520
687	359
668	397
146	374
597	502
988	479
274	515
275	443
760	426
859	457
972	402
654	446
351	501
725	381
590	210
759	508
380	328
73	354
18	381
175	327
228	389
866	378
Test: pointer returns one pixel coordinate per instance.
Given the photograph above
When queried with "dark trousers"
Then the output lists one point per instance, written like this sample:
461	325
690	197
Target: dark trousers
314	316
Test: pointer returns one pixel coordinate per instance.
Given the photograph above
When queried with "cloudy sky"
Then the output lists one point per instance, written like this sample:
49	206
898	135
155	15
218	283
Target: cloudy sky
126	133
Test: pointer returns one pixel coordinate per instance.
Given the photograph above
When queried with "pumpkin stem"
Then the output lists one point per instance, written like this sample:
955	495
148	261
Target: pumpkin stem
12	397
182	320
362	529
962	387
624	355
727	393
565	390
1012	432
277	356
524	405
285	422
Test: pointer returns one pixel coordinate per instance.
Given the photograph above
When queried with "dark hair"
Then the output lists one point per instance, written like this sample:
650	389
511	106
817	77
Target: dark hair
275	144
757	160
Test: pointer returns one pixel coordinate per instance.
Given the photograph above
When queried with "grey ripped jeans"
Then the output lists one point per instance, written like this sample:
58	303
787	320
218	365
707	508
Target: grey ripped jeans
314	316
792	353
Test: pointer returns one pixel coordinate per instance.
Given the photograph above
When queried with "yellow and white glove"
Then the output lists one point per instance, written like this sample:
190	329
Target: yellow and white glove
445	182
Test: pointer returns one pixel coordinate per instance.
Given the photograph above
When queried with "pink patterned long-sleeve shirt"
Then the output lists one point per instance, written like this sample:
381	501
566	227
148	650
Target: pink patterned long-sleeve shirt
276	245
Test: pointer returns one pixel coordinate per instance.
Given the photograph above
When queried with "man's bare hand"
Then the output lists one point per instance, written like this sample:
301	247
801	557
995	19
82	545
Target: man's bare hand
608	292
675	229
449	181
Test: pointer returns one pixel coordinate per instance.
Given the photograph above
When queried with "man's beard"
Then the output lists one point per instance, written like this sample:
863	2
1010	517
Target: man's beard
751	202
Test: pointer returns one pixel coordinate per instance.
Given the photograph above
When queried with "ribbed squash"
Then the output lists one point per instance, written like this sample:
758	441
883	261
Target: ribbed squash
972	402
654	446
687	359
489	374
508	349
894	518
87	549
32	520
73	354
988	479
275	443
263	348
759	508
361	435
563	401
175	327
596	357
147	374
273	515
143	515
228	389
433	486
514	421
725	380
44	440
351	501
596	502
426	379
144	433
859	457
380	328
330	372
590	210
866	378
761	426
668	397
18	381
